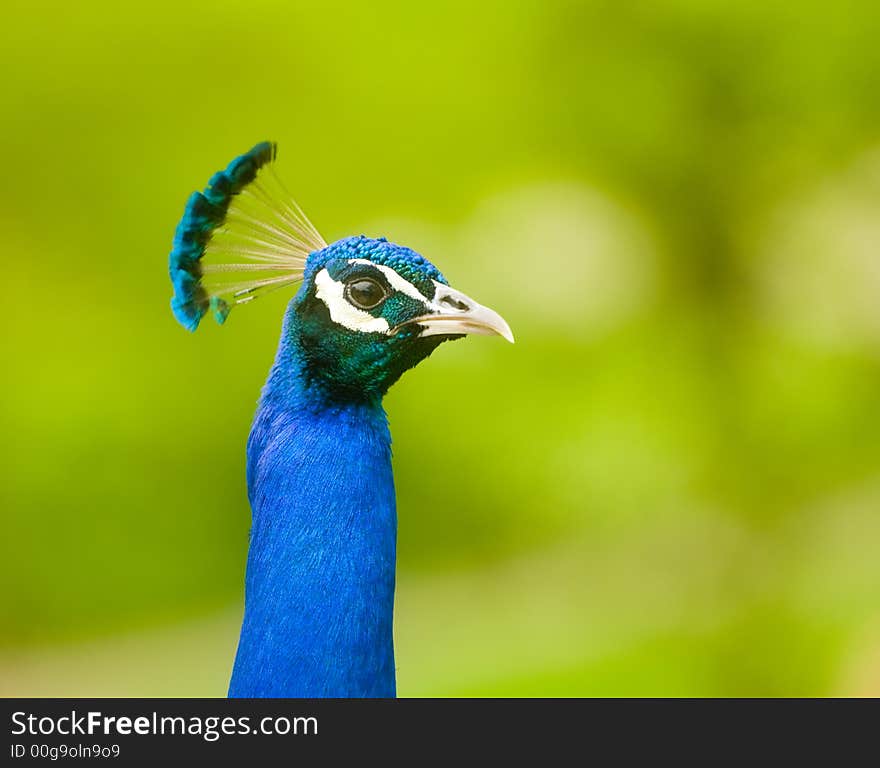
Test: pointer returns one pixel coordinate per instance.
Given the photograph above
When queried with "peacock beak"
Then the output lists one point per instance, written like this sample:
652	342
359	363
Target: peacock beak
453	313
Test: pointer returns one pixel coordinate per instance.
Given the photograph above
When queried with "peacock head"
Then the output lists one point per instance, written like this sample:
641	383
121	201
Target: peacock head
367	309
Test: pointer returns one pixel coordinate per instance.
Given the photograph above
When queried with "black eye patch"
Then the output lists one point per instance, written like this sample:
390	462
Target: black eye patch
344	272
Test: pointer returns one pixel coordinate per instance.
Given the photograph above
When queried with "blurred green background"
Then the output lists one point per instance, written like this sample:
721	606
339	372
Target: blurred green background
669	486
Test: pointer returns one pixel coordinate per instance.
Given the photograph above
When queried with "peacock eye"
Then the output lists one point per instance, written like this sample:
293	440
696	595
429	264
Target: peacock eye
364	293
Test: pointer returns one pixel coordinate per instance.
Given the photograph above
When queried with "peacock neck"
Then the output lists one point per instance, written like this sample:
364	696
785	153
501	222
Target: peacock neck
319	589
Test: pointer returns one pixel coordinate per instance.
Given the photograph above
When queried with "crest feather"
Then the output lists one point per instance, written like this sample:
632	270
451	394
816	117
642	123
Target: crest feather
242	237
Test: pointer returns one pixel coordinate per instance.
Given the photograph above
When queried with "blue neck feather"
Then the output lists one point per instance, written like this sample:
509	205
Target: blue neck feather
319	590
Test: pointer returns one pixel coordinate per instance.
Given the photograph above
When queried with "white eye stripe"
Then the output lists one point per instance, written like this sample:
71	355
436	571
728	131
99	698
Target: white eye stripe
342	312
394	280
438	289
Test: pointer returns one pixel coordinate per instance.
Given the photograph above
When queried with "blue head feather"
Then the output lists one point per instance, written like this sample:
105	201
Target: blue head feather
405	261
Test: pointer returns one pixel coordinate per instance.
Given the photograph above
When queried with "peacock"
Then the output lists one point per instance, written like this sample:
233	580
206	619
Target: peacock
320	574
